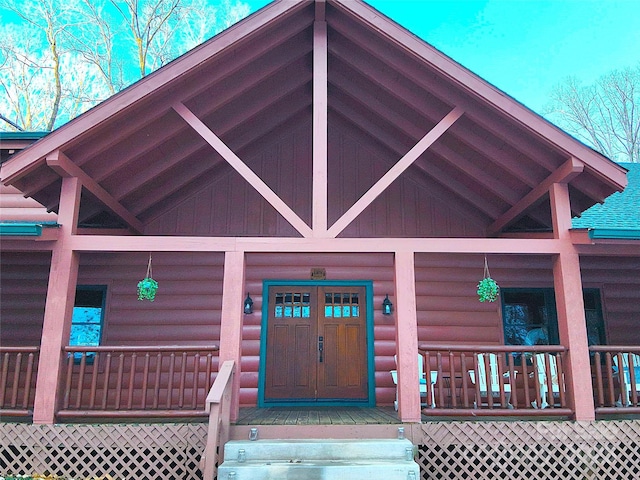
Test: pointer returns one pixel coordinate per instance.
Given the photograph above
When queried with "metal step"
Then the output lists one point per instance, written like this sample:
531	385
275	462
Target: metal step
311	459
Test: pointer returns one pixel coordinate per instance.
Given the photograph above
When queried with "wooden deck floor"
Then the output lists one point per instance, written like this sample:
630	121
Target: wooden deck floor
317	416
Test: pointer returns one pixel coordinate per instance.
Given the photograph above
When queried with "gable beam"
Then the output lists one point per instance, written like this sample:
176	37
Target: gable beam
564	174
395	171
320	124
239	166
64	167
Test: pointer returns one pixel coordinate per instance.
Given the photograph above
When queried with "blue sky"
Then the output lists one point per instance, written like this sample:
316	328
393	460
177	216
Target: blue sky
524	47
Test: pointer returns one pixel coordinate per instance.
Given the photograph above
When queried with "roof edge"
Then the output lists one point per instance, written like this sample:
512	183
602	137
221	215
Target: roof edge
610	171
22	162
614	233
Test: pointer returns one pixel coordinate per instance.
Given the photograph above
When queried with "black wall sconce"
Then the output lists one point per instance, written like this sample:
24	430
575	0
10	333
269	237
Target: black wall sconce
248	304
387	306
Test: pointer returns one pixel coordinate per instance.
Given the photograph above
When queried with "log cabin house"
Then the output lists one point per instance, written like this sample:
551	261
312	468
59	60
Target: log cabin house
318	193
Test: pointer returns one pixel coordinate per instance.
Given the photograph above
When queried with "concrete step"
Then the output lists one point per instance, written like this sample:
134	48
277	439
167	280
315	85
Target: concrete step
320	449
324	459
320	470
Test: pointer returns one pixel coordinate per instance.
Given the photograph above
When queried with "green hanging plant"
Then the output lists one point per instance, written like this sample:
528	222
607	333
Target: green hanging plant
147	287
488	289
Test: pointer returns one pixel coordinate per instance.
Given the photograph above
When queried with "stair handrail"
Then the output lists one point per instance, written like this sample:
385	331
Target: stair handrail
218	406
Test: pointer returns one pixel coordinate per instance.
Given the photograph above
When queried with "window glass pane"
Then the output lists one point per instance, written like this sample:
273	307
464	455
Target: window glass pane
354	298
297	311
328	311
297	297
346	298
86	315
306	298
529	317
288	311
288	297
355	311
337	310
86	320
278	311
87	334
337	298
306	312
328	298
346	311
279	298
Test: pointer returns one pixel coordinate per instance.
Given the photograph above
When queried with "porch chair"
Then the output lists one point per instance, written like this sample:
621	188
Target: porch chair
494	387
423	382
626	385
541	366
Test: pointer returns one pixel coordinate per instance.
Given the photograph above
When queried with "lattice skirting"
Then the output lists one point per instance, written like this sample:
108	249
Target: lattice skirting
447	450
524	450
131	451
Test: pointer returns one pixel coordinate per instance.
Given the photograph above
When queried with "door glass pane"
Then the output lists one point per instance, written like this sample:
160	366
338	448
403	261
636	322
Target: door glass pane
278	311
306	311
355	311
337	310
346	311
297	311
288	311
328	311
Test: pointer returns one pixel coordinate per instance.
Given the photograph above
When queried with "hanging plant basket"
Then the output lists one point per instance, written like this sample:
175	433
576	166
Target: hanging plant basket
488	289
147	287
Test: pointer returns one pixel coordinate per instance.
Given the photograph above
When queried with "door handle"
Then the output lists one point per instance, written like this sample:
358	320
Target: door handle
320	347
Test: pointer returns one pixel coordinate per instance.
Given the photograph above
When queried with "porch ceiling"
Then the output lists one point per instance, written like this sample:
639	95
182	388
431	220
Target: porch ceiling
254	82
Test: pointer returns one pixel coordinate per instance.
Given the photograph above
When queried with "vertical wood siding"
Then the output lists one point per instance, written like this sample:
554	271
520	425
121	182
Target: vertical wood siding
619	282
230	206
405	209
376	267
23	291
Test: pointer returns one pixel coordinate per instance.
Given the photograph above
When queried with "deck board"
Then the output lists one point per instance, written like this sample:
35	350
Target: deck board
317	416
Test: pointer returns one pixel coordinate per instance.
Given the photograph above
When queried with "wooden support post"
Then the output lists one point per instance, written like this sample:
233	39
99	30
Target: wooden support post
572	324
407	337
232	320
59	306
320	194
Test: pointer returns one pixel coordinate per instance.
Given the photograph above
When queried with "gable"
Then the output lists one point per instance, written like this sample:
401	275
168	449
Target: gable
148	150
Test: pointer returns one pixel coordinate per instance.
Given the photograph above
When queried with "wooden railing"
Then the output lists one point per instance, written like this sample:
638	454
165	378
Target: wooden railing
528	380
615	380
219	409
137	381
18	366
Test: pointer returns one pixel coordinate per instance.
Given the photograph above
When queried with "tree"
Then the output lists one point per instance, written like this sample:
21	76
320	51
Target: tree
60	57
605	115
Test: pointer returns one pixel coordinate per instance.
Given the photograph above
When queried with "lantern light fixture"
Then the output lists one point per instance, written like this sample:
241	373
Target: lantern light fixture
248	304
387	306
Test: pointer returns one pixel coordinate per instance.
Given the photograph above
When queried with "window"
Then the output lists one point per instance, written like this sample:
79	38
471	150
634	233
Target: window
86	323
593	314
529	316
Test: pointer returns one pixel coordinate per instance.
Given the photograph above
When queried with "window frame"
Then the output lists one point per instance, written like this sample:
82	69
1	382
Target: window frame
90	356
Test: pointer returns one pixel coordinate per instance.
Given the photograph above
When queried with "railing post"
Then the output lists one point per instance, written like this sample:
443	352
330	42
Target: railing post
218	405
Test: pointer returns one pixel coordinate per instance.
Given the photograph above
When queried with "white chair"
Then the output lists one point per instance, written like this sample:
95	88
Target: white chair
423	382
625	378
493	388
541	367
